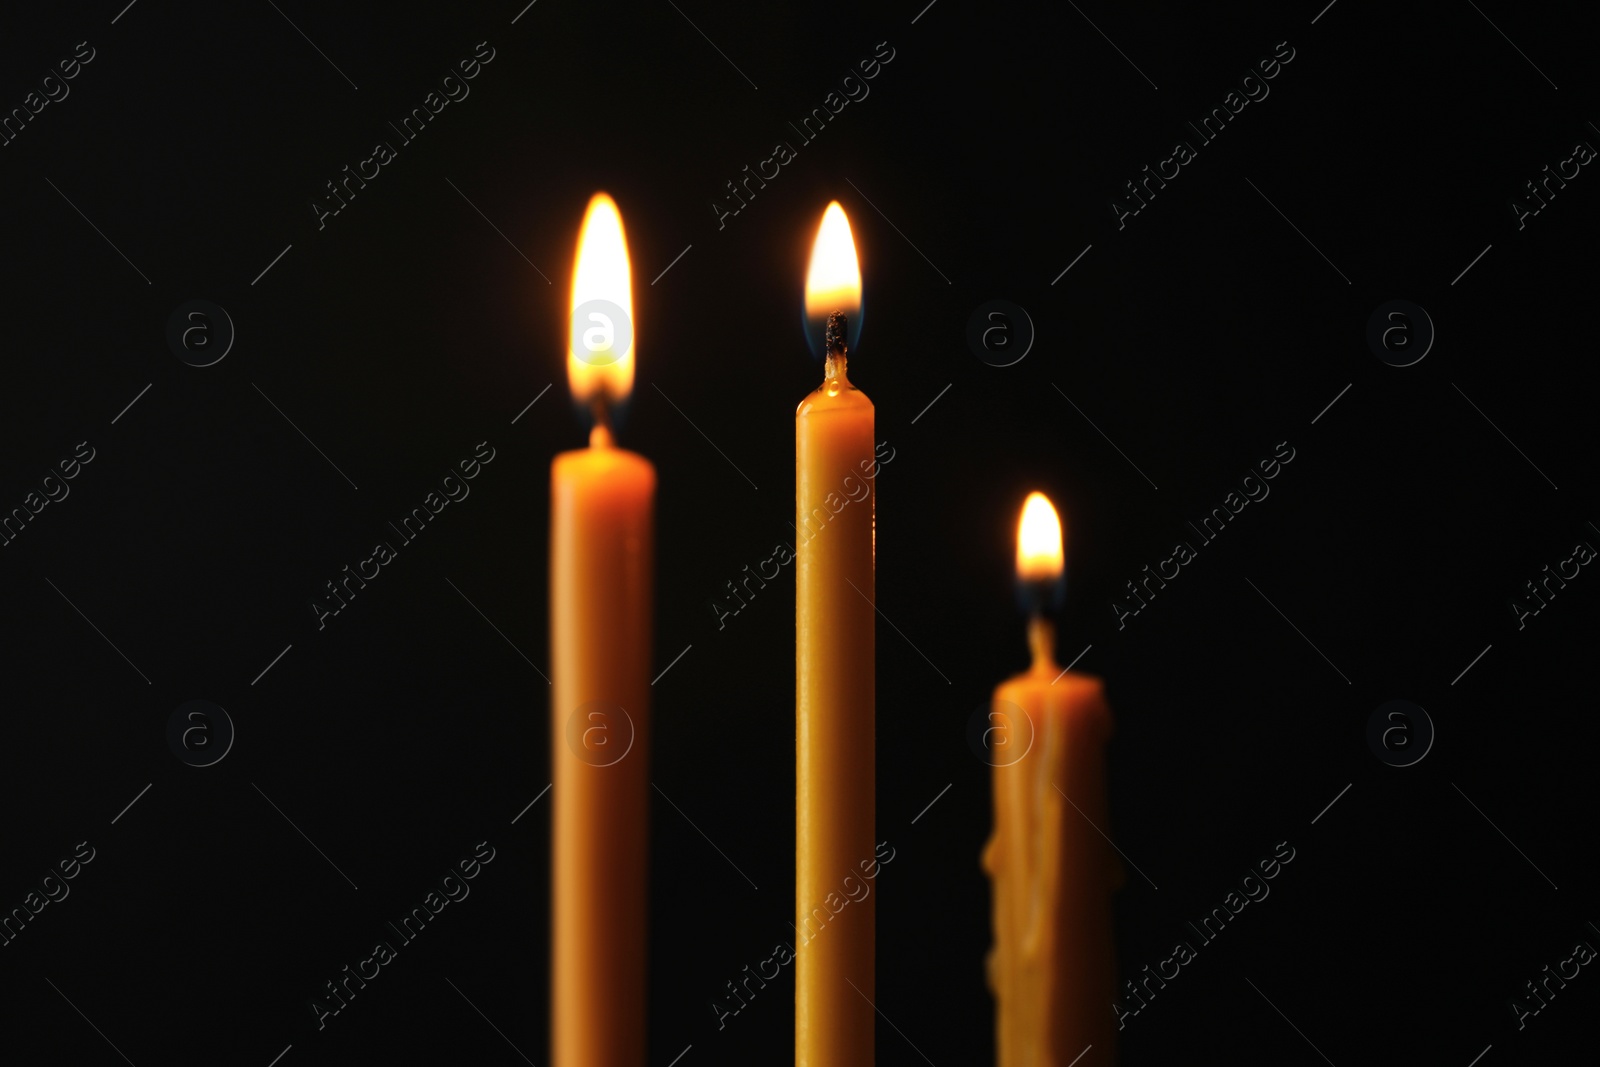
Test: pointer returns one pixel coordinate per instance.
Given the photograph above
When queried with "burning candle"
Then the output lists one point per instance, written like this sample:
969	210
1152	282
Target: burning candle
833	1017
601	542
1052	967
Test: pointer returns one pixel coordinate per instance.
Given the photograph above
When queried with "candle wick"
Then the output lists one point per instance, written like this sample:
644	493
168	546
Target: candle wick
834	366
1042	642
601	436
838	327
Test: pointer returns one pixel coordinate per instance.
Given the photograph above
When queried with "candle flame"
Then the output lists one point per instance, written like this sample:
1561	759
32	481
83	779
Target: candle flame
1039	555
600	341
833	281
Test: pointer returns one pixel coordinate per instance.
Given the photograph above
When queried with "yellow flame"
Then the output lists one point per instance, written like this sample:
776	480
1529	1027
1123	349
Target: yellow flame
600	345
1039	555
833	281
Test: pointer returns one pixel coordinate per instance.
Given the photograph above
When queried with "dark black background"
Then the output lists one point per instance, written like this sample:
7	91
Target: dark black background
1196	338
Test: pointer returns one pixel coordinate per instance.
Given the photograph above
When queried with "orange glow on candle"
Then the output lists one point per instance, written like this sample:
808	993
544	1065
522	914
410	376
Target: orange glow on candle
834	679
1052	964
602	503
601	338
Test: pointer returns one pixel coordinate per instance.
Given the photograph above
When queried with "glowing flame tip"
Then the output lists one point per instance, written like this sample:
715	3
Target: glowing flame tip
600	342
1039	552
833	280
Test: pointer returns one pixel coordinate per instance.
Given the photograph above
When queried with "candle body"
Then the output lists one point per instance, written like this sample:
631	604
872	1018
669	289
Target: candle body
601	568
834	744
1052	968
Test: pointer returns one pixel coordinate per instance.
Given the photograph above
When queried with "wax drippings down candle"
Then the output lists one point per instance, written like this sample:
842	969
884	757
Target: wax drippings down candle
834	680
1052	967
601	546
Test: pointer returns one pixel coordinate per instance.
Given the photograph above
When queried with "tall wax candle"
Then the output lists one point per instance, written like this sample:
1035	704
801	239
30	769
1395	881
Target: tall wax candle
834	679
1052	966
601	569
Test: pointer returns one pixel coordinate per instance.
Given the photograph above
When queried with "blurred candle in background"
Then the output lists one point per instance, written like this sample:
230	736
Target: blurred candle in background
1052	966
601	570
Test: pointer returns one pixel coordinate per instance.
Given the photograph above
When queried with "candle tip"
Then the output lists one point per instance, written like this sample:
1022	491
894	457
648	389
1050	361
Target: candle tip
838	326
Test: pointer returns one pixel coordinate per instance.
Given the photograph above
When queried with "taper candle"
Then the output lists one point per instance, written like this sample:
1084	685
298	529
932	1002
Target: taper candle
601	570
834	747
1052	967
